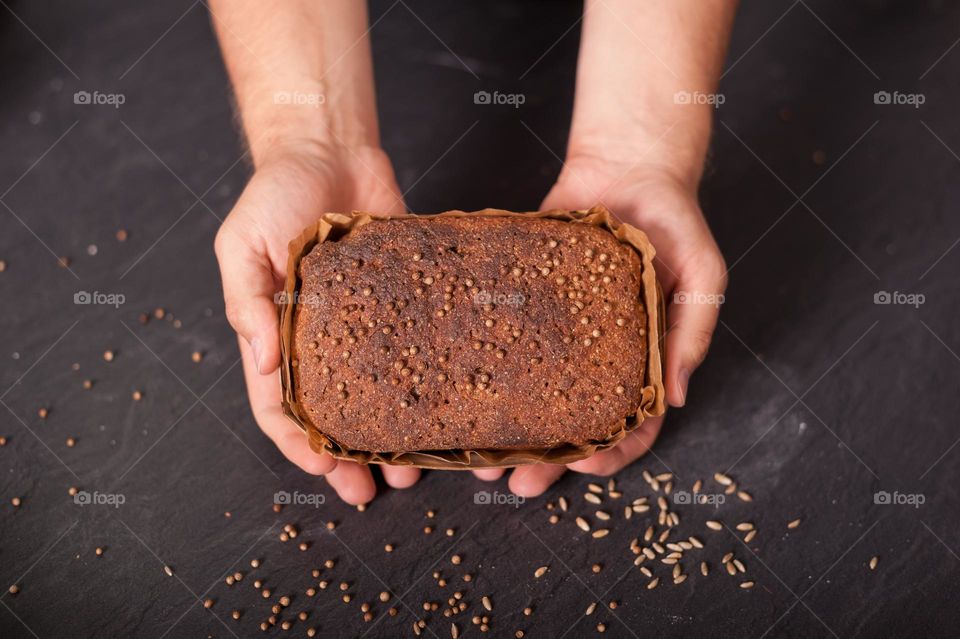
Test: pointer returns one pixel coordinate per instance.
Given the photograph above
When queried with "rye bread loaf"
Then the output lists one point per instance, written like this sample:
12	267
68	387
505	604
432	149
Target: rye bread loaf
469	333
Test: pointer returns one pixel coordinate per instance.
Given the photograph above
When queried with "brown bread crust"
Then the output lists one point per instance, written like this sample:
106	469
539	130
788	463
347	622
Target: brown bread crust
469	333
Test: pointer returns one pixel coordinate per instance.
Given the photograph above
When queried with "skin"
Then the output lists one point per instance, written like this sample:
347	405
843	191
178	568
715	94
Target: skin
631	147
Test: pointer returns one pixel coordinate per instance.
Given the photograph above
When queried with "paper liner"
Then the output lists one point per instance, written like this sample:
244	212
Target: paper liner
332	226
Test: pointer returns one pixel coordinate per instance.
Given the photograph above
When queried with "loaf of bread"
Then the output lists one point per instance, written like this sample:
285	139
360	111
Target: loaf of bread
471	333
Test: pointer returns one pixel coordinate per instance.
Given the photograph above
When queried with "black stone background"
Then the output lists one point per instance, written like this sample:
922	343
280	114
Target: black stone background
814	395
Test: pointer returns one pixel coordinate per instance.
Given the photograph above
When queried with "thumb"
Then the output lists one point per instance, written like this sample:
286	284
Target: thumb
560	197
248	292
692	316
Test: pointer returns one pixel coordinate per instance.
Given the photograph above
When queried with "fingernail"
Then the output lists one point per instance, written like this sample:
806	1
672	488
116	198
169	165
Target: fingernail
682	380
257	345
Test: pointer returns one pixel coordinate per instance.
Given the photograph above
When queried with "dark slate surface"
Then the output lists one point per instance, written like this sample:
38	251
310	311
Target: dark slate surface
814	397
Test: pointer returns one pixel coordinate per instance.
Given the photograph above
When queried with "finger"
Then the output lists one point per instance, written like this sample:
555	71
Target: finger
692	318
530	481
560	197
353	482
489	474
400	476
248	293
264	392
631	448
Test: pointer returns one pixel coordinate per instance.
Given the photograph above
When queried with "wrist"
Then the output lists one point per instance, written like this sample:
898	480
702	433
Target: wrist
645	157
304	119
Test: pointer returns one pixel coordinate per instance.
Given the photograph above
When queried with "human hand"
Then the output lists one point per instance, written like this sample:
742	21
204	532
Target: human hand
289	190
688	261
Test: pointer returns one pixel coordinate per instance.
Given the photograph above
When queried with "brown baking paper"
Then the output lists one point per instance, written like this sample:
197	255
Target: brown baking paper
332	226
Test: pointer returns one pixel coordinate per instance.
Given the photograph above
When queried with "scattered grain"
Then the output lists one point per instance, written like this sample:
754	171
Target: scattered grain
722	479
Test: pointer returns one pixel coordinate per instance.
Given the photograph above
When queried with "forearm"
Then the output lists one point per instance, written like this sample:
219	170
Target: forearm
301	72
635	58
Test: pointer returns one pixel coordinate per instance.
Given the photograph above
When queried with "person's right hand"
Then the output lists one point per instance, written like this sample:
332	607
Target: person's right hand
289	190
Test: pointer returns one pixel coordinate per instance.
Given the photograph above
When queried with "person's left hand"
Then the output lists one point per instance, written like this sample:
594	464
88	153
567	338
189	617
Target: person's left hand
688	261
